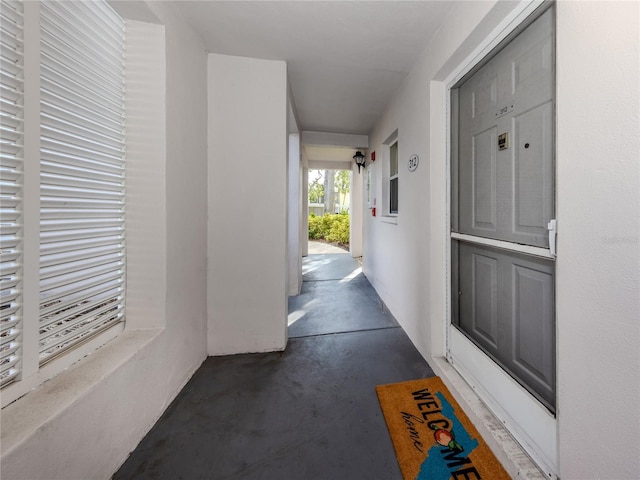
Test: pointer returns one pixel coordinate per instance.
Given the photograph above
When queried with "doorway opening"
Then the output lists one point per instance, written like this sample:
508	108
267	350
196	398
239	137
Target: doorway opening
330	207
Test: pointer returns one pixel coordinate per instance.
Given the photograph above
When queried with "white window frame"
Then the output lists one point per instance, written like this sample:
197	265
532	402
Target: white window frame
33	371
393	177
388	177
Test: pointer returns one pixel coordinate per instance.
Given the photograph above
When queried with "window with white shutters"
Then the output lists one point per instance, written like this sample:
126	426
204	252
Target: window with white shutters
11	159
62	186
81	173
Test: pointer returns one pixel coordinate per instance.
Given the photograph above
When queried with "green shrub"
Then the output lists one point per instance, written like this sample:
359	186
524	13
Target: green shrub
339	230
315	227
326	221
329	227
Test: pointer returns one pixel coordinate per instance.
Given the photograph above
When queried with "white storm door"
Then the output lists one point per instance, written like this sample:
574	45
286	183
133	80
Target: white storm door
502	336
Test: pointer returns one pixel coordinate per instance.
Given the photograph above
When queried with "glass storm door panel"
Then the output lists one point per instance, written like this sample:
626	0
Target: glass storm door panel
506	142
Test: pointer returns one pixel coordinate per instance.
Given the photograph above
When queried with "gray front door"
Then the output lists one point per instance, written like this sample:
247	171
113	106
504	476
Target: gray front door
503	202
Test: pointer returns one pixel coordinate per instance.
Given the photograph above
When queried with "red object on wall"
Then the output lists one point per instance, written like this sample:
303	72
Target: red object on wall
373	156
373	211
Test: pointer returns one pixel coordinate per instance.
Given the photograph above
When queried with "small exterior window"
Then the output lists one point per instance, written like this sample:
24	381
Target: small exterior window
393	178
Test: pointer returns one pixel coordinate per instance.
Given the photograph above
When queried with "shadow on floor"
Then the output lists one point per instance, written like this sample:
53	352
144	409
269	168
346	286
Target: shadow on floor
310	412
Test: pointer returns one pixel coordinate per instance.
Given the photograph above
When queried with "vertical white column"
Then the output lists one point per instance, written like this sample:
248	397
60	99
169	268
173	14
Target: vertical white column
304	225
247	205
357	210
293	235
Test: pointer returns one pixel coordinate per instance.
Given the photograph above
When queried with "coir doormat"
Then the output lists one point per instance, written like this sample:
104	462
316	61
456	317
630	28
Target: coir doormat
432	436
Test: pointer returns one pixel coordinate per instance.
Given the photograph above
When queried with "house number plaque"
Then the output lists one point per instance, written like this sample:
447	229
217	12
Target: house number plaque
413	163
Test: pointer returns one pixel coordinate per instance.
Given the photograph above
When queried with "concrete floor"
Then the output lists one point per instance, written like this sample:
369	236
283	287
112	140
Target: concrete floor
310	412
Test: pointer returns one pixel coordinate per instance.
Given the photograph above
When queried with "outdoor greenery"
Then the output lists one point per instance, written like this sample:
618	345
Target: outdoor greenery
329	227
342	183
316	192
329	187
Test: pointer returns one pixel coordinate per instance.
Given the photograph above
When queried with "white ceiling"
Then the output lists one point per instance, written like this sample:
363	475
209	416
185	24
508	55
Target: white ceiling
345	58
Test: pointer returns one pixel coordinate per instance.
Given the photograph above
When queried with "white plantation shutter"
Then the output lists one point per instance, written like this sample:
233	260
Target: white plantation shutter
11	158
82	173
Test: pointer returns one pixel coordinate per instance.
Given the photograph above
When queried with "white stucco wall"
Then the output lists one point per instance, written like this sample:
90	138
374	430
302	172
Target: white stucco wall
598	212
84	422
402	258
247	229
598	279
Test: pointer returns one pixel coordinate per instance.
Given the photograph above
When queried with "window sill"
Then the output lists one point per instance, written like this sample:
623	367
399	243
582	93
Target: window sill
392	219
24	417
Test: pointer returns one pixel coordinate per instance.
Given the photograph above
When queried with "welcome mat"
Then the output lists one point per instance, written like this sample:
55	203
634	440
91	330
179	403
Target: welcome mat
432	436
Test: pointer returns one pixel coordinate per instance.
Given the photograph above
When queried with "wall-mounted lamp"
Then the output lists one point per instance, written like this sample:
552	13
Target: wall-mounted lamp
359	159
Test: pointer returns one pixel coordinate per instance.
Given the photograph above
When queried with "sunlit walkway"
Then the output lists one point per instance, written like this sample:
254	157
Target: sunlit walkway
316	248
310	412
